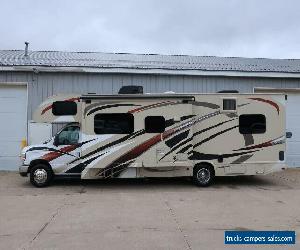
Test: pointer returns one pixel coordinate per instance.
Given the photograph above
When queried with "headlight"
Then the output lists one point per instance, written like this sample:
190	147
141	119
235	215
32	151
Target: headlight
23	156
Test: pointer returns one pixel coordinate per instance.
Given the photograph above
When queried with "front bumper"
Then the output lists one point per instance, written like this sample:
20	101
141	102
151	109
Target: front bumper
23	170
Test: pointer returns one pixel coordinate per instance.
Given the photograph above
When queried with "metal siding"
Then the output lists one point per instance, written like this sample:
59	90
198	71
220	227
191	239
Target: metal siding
42	85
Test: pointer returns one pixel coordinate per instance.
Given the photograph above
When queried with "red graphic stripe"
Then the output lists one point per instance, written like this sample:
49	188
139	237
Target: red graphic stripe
275	105
53	155
168	133
137	151
261	145
147	107
50	106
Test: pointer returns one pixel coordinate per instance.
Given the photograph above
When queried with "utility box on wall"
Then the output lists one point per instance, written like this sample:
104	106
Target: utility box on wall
39	132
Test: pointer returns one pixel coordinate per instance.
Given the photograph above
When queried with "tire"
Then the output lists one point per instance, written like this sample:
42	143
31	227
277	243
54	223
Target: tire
41	175
203	175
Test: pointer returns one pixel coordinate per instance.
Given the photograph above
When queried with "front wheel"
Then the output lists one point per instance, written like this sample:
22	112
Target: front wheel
203	175
41	175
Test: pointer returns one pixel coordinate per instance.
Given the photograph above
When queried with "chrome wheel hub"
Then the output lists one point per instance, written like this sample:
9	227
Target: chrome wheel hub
203	175
40	176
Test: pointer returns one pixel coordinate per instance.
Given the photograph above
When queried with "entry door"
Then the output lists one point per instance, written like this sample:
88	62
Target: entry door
293	125
176	139
13	125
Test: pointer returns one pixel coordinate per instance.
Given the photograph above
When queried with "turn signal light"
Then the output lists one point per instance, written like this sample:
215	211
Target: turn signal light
23	143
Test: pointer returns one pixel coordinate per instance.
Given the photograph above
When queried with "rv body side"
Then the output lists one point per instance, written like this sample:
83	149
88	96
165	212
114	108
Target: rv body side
164	136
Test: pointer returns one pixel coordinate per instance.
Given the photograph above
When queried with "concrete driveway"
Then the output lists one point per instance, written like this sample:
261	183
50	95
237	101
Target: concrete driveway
145	214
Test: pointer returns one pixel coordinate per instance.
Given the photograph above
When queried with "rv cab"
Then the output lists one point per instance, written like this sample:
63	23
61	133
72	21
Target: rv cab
58	145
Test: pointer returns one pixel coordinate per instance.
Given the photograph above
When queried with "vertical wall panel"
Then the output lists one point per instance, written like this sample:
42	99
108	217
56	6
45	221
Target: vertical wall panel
42	85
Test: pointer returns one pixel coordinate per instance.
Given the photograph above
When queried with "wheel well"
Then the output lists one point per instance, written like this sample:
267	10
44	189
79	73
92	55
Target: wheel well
38	161
205	164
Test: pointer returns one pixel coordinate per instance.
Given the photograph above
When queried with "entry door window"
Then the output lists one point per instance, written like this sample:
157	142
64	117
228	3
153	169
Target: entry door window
155	124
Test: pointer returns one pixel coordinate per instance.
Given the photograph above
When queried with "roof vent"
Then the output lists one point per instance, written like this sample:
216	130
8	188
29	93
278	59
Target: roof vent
26	48
131	90
228	91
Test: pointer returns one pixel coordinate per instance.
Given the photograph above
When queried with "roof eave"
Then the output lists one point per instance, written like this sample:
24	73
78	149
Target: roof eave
184	72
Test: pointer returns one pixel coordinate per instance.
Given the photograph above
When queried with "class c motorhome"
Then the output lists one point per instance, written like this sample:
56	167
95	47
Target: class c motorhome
159	135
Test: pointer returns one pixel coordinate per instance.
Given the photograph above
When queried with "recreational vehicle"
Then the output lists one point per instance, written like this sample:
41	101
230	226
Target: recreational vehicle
159	135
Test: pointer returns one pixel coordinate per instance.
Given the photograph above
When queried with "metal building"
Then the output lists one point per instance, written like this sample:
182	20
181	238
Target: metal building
28	77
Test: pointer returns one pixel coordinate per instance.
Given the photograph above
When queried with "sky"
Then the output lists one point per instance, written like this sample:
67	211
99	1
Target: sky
238	28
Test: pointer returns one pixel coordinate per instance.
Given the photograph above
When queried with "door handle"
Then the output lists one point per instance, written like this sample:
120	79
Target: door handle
160	152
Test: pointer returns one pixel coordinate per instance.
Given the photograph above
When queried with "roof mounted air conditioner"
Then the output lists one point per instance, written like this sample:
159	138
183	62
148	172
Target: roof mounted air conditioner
131	90
228	91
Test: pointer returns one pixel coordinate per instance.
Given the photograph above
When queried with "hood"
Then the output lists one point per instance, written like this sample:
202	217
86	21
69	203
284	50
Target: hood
27	148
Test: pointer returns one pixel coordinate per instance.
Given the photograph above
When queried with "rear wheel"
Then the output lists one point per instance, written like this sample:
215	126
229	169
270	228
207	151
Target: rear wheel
41	175
203	175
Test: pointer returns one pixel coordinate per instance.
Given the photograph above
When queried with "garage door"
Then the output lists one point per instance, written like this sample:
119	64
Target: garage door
13	119
293	125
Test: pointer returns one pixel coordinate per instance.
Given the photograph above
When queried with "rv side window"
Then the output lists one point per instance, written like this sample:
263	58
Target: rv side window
155	124
64	108
252	124
114	123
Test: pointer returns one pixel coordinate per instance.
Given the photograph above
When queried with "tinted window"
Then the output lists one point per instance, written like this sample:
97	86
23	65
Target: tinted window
68	136
64	108
113	123
155	124
252	124
229	104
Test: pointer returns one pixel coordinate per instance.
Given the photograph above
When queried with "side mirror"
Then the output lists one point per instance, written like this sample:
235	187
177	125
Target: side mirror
288	134
55	142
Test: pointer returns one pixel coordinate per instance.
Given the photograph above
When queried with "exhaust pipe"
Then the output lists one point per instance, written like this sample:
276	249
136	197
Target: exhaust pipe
26	48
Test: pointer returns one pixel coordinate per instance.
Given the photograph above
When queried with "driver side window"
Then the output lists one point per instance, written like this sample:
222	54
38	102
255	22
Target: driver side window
68	136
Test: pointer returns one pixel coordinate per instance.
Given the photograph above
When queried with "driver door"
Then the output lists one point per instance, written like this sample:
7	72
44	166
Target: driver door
67	146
